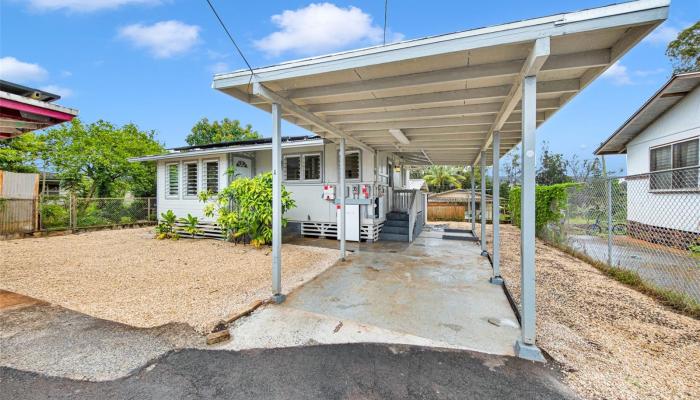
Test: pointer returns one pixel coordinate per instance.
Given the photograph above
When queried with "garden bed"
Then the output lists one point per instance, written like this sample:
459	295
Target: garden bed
129	277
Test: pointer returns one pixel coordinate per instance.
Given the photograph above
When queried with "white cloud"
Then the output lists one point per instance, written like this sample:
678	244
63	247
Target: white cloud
59	90
319	28
66	73
619	74
84	5
163	39
12	69
664	34
219	67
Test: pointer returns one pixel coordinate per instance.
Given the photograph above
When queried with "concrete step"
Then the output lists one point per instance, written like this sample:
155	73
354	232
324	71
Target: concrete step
396	222
402	230
393	237
397	216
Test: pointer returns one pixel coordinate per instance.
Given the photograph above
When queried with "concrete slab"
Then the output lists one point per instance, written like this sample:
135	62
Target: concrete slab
432	292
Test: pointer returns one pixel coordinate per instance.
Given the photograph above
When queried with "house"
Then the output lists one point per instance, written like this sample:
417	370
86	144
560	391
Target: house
24	109
309	173
660	141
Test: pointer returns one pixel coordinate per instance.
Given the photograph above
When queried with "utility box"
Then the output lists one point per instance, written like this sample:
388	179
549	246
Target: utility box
352	222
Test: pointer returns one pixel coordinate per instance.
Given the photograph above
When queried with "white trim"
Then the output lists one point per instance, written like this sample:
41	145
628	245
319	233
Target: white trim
284	168
226	150
38	103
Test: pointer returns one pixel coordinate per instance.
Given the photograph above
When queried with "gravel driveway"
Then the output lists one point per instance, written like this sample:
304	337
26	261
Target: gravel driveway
127	276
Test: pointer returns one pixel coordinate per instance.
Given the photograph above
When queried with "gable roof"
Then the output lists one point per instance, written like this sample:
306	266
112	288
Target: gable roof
664	99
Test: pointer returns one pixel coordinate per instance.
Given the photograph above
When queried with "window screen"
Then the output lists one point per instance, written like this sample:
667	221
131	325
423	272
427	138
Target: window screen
661	159
352	165
191	179
312	167
212	176
685	154
292	168
172	180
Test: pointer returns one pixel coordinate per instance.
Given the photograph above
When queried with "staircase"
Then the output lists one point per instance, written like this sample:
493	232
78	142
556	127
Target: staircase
395	227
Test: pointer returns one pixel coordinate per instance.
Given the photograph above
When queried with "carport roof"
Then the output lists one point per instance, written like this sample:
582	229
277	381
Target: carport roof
439	99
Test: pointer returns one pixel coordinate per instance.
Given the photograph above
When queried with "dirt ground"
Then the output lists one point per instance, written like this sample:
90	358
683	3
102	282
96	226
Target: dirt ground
614	342
129	277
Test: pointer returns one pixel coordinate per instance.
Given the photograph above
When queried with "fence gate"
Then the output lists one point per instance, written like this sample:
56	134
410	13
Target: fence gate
19	206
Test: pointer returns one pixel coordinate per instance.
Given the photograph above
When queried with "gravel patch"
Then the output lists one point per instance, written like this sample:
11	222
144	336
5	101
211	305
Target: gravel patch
129	277
614	342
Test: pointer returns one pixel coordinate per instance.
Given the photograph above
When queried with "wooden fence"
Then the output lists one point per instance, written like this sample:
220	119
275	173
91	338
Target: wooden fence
446	211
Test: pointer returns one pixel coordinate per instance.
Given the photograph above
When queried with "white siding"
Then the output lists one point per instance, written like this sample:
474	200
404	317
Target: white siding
182	205
669	210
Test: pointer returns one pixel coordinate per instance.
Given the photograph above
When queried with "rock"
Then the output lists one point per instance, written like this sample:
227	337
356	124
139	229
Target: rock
218	337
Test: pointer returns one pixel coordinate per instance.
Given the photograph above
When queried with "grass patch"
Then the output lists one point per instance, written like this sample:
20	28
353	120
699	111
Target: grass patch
679	302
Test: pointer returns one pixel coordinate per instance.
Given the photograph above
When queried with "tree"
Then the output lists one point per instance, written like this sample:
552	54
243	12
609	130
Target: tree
512	168
684	51
442	177
583	170
204	132
552	168
20	153
92	159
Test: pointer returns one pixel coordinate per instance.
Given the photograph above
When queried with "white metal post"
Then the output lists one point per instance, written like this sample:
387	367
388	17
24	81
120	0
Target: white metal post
277	203
482	167
473	213
525	346
496	212
341	193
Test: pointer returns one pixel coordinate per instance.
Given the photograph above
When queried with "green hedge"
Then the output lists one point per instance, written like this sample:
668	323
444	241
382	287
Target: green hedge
549	201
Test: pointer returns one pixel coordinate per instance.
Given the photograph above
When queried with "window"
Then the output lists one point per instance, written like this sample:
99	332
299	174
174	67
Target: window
172	179
352	165
312	167
670	166
191	179
292	168
211	177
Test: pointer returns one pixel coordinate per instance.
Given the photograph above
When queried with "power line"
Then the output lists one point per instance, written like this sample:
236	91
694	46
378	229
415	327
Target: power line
386	6
230	37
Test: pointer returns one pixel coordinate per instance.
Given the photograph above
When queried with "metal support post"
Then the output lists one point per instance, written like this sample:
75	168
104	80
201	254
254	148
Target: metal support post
496	278
525	347
482	167
341	193
277	295
473	202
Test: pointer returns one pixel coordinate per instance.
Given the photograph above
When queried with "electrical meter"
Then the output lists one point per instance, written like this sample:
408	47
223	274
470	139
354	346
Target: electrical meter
328	192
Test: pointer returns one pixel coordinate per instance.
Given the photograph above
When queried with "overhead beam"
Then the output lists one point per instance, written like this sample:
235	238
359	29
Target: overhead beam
427	157
458	74
532	65
399	136
430	122
260	90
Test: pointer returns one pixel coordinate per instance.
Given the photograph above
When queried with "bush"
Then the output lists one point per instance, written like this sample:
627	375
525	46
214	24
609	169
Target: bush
244	208
54	216
549	201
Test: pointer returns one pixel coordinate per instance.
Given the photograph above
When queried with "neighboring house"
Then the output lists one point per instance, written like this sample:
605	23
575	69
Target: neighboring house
661	144
456	204
309	173
24	109
50	184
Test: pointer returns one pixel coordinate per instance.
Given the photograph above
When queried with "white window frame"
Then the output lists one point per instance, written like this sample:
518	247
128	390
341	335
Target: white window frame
284	168
303	167
205	174
185	186
167	180
359	164
670	170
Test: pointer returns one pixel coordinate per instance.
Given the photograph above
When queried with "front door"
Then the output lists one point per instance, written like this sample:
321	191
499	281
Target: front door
242	168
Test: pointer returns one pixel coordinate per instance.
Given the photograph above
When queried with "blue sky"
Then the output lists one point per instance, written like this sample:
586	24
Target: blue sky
151	61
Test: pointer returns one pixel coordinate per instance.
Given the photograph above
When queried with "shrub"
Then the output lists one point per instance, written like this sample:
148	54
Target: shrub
191	223
244	208
166	227
549	201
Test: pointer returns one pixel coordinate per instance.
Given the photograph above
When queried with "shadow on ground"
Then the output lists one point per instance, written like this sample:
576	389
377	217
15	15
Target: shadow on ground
366	371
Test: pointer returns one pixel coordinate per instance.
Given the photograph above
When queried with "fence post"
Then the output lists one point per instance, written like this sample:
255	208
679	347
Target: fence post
148	207
610	223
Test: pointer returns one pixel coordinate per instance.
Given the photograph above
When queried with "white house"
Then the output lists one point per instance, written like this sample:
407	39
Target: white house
310	174
661	144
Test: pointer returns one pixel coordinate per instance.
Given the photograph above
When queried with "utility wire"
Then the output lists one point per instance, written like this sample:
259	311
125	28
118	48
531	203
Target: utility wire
230	37
386	6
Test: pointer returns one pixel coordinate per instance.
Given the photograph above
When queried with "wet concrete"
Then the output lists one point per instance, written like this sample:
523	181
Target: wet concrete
433	292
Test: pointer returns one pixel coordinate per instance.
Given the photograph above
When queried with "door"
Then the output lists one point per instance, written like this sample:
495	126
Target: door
352	222
242	167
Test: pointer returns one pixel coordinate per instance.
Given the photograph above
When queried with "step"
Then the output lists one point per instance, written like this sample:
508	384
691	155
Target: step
393	237
396	222
397	216
402	230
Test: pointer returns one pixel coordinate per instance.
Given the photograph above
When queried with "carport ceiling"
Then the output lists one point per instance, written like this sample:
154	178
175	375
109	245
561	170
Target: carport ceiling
449	93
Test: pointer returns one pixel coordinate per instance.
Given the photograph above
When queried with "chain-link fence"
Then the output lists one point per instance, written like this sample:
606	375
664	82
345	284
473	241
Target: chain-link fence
647	223
69	212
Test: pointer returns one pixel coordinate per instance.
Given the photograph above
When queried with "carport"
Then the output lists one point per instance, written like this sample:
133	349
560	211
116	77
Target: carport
460	98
